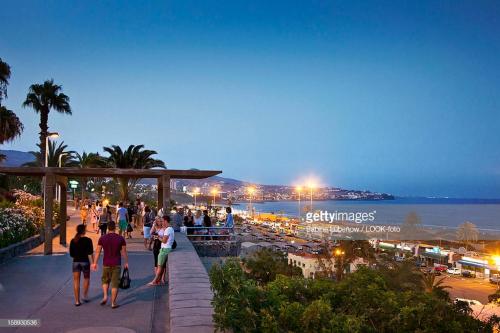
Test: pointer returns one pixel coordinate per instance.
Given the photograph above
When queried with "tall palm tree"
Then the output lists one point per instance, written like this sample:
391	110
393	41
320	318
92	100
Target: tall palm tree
10	125
132	158
467	233
45	97
54	152
89	160
4	79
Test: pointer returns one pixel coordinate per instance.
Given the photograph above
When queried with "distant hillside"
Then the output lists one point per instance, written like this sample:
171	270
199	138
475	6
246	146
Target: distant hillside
16	158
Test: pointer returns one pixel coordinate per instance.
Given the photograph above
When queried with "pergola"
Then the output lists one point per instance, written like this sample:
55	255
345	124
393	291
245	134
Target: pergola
60	176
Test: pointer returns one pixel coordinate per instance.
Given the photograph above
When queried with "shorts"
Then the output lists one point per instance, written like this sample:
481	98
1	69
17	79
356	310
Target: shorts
122	224
163	256
84	267
147	232
111	274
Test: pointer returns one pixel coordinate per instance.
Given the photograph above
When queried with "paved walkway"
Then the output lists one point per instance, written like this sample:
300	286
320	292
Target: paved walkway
41	287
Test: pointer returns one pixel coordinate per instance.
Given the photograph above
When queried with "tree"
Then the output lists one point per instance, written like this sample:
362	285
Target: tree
435	287
43	98
89	160
132	158
53	159
4	79
10	125
264	265
467	233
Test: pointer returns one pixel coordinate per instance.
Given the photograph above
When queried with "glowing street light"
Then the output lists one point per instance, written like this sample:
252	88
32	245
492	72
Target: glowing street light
195	193
311	186
298	189
251	191
214	192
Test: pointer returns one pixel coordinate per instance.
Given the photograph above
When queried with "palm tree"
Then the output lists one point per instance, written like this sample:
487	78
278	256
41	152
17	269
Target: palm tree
467	233
132	158
431	286
45	97
89	160
4	79
10	125
54	152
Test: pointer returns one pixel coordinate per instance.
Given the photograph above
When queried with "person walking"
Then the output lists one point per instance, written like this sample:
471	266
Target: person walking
84	213
121	218
167	238
94	217
147	222
114	247
103	220
81	250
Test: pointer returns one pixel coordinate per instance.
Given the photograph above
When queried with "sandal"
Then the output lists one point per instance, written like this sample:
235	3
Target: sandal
103	302
78	304
115	306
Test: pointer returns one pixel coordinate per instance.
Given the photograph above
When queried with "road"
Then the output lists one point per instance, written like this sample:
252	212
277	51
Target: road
470	288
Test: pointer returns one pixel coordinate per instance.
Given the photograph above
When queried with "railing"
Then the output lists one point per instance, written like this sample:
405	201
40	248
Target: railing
212	232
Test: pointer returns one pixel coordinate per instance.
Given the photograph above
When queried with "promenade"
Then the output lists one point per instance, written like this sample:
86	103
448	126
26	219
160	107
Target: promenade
41	287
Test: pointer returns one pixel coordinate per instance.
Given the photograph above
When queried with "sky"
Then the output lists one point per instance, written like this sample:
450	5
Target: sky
391	96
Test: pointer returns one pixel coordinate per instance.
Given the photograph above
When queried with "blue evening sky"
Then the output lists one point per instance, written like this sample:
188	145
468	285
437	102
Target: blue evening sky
394	96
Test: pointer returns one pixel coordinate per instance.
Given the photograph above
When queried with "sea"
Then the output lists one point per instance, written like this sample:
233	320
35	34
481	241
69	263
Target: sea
433	212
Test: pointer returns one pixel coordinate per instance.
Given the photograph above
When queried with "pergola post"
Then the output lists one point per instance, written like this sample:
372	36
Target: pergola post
49	186
160	193
62	181
165	190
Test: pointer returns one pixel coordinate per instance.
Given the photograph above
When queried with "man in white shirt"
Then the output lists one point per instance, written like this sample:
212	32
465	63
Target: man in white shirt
167	237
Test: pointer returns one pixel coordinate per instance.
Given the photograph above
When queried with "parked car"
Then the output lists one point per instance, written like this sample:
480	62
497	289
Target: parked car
468	274
453	271
441	268
495	278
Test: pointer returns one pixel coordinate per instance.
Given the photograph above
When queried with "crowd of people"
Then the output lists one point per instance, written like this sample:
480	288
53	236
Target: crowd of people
115	224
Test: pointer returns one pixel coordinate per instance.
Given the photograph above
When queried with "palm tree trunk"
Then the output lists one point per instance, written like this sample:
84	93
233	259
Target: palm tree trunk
44	128
124	188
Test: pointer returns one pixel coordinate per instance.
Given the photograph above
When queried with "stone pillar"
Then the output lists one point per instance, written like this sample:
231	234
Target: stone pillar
49	186
62	181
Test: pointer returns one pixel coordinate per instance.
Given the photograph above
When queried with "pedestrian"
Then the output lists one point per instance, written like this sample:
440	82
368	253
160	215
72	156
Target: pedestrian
147	222
103	220
189	224
81	250
121	218
84	213
114	247
207	223
157	232
94	216
167	240
178	219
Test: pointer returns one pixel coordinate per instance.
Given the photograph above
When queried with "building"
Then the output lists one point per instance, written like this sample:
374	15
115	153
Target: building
310	265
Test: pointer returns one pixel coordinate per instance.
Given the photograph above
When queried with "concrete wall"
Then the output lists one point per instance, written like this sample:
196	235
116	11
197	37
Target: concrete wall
189	290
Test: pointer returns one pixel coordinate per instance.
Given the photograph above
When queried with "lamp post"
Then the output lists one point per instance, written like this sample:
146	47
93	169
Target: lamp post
58	187
195	193
52	135
251	191
214	192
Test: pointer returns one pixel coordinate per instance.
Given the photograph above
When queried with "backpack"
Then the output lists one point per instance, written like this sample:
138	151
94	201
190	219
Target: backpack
174	244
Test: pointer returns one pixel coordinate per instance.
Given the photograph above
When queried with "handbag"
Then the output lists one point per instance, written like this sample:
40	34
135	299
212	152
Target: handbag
125	280
129	228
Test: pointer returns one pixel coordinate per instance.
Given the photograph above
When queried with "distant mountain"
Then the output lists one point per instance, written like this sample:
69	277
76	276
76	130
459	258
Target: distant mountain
16	158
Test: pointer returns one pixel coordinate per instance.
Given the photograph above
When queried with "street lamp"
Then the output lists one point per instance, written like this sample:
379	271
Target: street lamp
58	188
195	193
214	192
52	135
299	190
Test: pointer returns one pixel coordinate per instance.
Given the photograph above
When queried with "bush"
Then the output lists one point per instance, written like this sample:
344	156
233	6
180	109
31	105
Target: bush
15	226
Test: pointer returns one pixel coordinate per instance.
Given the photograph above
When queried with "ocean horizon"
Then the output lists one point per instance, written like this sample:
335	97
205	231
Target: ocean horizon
440	212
